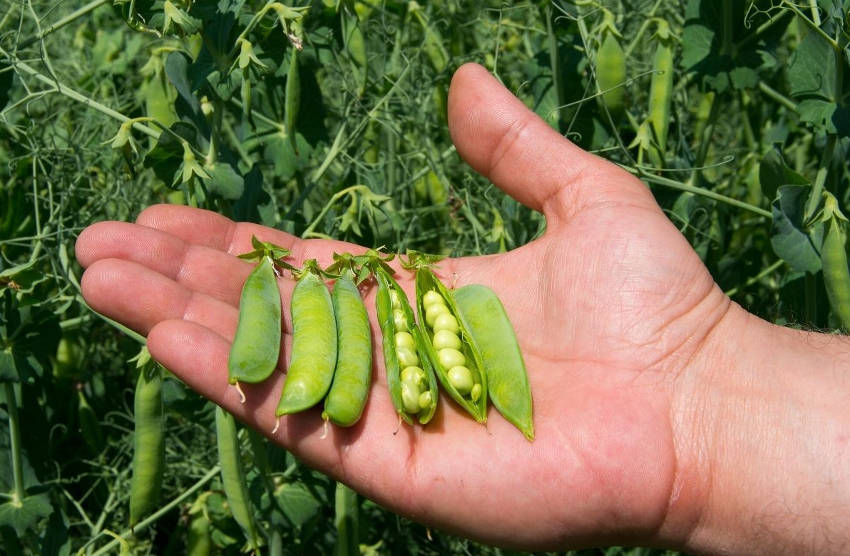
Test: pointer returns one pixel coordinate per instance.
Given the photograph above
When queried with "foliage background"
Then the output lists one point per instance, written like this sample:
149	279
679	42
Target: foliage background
742	159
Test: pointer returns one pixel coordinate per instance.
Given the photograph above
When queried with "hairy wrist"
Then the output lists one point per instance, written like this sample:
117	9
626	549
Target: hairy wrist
761	421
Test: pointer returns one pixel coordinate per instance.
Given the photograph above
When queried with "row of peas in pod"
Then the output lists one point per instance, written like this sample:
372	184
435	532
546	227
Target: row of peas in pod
463	339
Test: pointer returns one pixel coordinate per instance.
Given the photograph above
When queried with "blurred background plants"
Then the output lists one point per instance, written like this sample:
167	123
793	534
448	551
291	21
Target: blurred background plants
328	119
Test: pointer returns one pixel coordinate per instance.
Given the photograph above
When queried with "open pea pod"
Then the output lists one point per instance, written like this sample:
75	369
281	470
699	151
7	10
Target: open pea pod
417	395
456	360
492	334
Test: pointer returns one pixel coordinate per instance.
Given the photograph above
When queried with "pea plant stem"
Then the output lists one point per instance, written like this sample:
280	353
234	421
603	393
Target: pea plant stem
820	178
769	270
210	474
812	24
79	97
778	97
15	444
91	6
696	190
644	26
705	140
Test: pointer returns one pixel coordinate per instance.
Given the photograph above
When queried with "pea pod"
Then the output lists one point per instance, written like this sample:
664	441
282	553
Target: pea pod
396	316
353	373
611	65
149	439
492	334
661	90
836	276
457	362
292	98
256	345
233	475
314	344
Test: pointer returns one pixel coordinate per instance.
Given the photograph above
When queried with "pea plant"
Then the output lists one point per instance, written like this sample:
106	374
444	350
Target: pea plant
327	119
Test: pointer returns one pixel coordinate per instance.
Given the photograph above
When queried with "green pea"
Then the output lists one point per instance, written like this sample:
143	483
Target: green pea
446	339
413	374
434	311
395	299
399	320
446	321
461	379
449	358
314	346
410	396
489	329
256	345
432	297
352	376
148	441
407	357
393	319
426	398
441	336
403	339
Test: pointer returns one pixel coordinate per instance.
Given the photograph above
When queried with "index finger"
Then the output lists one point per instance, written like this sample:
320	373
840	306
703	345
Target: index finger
210	229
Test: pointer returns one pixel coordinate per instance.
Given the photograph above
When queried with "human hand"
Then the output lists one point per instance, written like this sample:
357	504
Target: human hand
612	308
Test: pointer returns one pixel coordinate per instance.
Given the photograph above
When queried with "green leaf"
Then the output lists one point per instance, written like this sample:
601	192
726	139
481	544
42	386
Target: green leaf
224	180
187	24
791	240
710	40
297	502
26	514
177	70
812	68
56	540
774	173
246	209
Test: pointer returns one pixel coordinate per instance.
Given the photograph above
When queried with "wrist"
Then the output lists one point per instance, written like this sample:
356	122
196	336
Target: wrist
761	422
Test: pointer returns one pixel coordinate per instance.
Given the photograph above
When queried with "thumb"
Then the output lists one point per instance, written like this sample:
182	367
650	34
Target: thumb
516	150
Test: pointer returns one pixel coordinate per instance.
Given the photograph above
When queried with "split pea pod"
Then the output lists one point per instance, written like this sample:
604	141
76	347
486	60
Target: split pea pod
410	374
353	373
457	362
256	345
148	441
314	344
233	475
492	334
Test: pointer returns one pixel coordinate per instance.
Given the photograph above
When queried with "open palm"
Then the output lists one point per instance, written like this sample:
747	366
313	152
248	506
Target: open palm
610	306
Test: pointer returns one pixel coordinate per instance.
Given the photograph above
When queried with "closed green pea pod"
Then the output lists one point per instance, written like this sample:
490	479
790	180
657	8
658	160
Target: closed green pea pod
314	346
352	376
233	475
392	321
489	329
446	358
611	72
148	442
292	97
661	89
836	276
256	345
